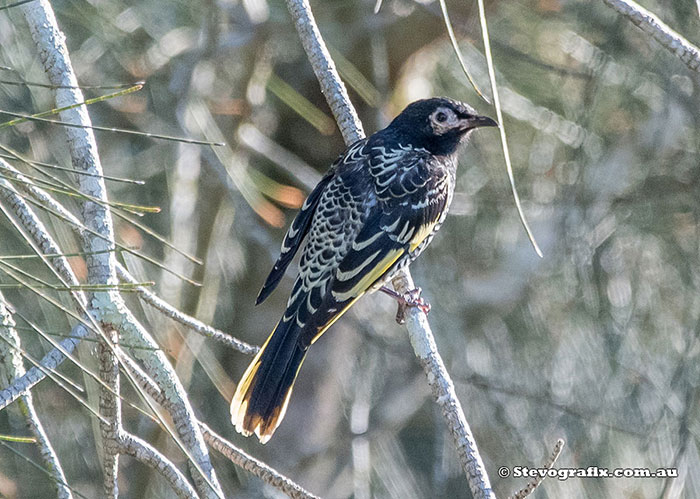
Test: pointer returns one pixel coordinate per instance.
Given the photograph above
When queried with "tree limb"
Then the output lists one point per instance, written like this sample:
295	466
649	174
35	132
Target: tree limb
144	452
11	367
98	245
233	453
417	323
196	325
652	25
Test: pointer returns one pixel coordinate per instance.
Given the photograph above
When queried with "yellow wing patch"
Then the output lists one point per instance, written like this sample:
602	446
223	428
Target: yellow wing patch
375	273
361	287
420	235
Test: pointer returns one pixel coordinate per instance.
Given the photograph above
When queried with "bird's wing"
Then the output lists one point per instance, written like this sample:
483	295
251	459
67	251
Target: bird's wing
302	222
339	217
414	197
293	238
353	245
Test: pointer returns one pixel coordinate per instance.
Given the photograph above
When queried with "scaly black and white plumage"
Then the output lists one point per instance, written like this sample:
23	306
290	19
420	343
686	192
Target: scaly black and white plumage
374	212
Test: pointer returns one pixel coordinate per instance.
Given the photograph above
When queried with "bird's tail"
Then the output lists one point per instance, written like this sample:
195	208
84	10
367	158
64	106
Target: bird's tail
262	395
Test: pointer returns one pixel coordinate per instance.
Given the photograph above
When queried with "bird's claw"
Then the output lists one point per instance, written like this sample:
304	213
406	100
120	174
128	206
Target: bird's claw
411	298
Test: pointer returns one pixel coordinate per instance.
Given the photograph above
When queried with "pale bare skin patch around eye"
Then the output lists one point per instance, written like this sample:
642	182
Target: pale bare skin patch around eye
443	119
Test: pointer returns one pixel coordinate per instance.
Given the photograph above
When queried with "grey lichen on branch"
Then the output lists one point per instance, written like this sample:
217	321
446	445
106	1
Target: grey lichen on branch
324	68
98	245
12	368
652	25
234	454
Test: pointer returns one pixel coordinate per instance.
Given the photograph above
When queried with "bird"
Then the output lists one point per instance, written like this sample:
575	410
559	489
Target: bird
374	211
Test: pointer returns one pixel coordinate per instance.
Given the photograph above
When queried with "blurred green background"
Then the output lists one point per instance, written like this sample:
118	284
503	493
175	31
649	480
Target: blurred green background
596	343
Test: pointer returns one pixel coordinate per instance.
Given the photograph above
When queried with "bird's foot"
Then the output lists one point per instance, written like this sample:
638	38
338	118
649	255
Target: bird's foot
411	298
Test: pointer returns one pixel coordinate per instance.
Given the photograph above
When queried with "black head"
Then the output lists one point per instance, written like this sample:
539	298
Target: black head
438	124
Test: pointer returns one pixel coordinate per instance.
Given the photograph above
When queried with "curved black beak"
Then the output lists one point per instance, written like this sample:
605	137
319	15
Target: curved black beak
479	121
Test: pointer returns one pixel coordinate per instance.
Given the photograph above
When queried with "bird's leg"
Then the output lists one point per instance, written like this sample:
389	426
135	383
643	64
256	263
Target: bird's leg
410	298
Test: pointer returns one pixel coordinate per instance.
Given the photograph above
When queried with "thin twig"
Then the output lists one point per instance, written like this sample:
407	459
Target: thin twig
257	468
417	322
26	117
196	325
458	52
502	128
531	486
652	25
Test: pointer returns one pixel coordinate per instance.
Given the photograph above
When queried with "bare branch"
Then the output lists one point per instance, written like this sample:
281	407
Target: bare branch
113	311
148	455
99	257
53	465
99	245
11	367
49	362
234	454
27	186
258	468
331	85
652	25
196	325
417	322
176	401
37	231
111	410
443	389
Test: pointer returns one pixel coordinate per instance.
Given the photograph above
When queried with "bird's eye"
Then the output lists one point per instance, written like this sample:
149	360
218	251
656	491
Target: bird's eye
441	117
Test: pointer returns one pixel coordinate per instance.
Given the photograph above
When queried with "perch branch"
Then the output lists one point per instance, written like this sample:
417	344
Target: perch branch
417	323
443	389
652	25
